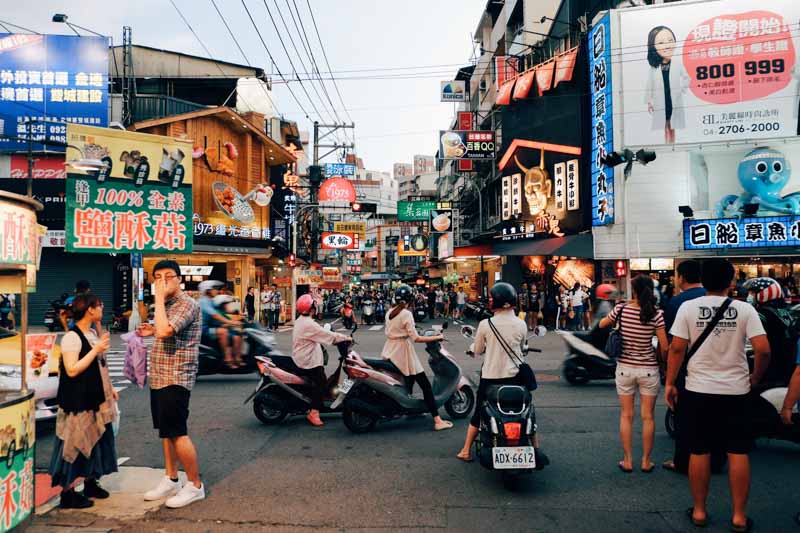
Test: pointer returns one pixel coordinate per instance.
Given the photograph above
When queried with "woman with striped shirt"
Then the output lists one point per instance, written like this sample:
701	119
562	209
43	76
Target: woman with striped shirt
638	321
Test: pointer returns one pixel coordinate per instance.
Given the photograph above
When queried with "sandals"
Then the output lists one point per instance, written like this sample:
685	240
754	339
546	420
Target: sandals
695	522
649	469
621	466
746	528
446	424
467	459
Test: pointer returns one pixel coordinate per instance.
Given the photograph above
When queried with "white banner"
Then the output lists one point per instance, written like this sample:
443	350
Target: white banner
573	179
506	197
559	173
709	71
516	194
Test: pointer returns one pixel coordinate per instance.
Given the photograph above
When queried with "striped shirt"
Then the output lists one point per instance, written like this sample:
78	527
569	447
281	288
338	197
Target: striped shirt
637	338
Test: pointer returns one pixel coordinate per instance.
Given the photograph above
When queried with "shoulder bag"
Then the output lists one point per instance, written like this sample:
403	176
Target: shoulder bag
526	375
680	382
614	343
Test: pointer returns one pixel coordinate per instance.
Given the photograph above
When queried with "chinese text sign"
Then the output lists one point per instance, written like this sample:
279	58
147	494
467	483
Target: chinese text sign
762	232
602	122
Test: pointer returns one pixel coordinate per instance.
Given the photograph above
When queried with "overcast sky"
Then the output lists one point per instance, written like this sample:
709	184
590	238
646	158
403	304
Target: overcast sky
395	118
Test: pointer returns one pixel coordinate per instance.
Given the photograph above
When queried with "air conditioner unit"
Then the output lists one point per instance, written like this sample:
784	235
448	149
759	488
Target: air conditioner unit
482	86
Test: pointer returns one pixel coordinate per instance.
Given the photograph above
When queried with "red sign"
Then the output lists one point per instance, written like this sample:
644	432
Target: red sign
466	165
544	76
464	120
340	241
337	190
43	167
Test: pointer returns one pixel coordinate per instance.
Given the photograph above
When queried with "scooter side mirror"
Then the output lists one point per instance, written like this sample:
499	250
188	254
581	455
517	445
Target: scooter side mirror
327	326
468	331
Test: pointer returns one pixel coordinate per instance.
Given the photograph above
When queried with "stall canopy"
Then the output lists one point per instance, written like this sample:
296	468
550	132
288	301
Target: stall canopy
505	92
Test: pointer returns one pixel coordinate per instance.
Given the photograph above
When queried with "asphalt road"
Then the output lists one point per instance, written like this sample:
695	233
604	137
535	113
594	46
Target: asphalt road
404	477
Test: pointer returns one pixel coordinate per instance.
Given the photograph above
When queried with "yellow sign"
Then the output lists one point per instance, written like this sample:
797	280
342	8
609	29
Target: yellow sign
140	157
351	227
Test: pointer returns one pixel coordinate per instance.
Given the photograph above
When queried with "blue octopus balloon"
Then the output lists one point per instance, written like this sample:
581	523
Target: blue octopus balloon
763	173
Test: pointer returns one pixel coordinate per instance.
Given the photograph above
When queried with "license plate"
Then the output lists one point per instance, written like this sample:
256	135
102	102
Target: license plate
514	457
346	385
48	320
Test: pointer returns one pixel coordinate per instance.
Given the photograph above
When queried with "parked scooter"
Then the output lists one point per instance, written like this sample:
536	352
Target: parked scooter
348	318
120	322
585	358
256	341
284	391
505	439
380	392
368	310
478	310
420	311
52	317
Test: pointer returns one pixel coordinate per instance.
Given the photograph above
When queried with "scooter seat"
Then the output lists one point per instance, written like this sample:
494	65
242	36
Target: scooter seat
509	398
383	364
284	362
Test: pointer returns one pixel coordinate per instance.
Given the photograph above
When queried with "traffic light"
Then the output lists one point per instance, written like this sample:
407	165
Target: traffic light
291	260
356	207
620	269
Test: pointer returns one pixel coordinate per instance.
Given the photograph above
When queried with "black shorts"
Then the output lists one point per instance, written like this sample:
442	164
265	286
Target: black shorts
170	409
716	422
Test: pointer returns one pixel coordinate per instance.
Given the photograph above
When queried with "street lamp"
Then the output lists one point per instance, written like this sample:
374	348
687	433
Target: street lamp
294	253
63	19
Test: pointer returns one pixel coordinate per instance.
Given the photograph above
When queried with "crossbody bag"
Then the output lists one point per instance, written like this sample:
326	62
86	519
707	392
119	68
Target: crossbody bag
680	382
526	375
614	343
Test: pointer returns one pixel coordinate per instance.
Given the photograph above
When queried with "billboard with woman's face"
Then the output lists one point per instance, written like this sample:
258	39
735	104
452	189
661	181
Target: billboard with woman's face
709	71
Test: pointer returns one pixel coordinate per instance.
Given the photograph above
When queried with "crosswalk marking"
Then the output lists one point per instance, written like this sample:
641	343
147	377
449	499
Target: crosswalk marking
115	359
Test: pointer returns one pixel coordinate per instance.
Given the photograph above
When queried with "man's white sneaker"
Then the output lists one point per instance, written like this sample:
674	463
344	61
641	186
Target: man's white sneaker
188	494
166	488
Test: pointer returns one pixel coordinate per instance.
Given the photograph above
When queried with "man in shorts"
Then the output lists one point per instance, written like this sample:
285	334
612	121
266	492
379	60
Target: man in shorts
715	409
172	372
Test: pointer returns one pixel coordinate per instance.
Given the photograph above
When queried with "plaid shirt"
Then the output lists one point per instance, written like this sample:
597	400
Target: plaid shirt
173	361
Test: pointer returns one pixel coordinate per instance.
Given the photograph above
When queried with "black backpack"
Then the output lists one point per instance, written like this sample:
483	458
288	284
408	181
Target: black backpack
783	331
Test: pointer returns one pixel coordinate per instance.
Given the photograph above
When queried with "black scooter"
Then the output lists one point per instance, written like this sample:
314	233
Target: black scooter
505	439
585	358
256	341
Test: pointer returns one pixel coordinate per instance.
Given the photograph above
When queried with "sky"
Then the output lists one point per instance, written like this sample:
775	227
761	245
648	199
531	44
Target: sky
395	118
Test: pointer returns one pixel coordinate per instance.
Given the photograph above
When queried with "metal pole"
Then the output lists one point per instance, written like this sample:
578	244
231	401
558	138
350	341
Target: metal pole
30	160
24	322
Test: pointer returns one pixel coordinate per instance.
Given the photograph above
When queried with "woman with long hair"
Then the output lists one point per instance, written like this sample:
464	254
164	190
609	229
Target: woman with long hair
401	334
638	321
665	84
84	444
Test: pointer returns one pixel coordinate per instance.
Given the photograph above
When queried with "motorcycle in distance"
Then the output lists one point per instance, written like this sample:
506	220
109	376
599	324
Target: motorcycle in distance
120	322
379	393
368	310
586	359
284	391
347	316
333	306
507	429
52	317
256	342
420	310
380	310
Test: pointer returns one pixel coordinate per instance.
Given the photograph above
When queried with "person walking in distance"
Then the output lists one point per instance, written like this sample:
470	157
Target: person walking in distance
638	321
274	307
715	408
172	372
265	295
250	303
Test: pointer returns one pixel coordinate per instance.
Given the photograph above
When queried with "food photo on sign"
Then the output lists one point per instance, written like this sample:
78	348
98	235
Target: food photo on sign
115	199
441	220
571	271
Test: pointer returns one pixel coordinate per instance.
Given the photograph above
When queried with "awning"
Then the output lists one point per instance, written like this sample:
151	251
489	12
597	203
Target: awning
524	85
570	246
504	93
565	65
544	76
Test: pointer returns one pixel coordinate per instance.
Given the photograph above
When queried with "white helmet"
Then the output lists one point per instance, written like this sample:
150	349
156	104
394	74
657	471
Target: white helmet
222	299
209	285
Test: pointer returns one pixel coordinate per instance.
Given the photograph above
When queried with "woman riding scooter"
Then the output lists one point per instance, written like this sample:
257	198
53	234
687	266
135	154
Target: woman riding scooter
307	338
401	334
498	366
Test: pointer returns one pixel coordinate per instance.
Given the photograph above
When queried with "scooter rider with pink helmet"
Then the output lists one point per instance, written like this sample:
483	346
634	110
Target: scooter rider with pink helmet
307	339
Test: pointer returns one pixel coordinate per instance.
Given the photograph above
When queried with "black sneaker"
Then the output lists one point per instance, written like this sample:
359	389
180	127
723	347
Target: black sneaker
74	500
541	459
92	489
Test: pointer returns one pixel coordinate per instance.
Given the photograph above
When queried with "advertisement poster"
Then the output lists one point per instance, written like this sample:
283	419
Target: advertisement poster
570	272
413	245
17	450
741	234
44	167
141	201
419	211
441	220
717	71
337	190
466	145
40	349
53	80
602	122
454	91
20	235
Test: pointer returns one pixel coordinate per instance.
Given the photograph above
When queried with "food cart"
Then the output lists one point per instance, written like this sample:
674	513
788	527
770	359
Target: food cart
19	254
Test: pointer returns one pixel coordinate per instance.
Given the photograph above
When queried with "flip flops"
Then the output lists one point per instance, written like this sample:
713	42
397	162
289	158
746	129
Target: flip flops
621	466
446	424
746	528
695	522
649	470
468	459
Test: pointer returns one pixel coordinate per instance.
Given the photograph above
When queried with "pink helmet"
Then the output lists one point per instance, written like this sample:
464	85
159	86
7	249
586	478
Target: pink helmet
304	304
606	291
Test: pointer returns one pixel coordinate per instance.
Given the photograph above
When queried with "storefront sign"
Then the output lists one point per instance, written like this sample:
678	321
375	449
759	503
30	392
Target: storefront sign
761	232
133	206
640	264
662	263
559	181
466	145
729	67
339	169
331	275
418	211
412	245
209	229
340	241
337	190
441	220
308	277
19	234
196	270
543	223
454	91
53	80
17	449
512	196
506	197
359	227
573	181
54	239
602	121
44	167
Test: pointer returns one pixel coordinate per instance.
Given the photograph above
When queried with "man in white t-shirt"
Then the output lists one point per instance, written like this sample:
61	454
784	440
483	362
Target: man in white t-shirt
715	408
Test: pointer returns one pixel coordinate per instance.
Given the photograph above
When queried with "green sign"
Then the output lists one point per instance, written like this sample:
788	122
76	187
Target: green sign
118	216
415	211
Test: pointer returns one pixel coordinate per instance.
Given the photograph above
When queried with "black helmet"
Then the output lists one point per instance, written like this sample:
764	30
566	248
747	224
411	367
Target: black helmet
503	293
403	293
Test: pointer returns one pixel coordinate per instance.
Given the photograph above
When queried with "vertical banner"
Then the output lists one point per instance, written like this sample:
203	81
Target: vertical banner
602	122
516	194
506	192
559	176
17	446
573	180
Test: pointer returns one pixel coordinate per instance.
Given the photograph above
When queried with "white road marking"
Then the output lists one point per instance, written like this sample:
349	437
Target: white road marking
376	328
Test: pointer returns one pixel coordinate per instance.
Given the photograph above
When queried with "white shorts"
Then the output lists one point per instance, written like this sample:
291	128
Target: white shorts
628	377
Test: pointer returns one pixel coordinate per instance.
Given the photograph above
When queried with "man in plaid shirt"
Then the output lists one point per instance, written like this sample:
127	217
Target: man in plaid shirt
172	371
